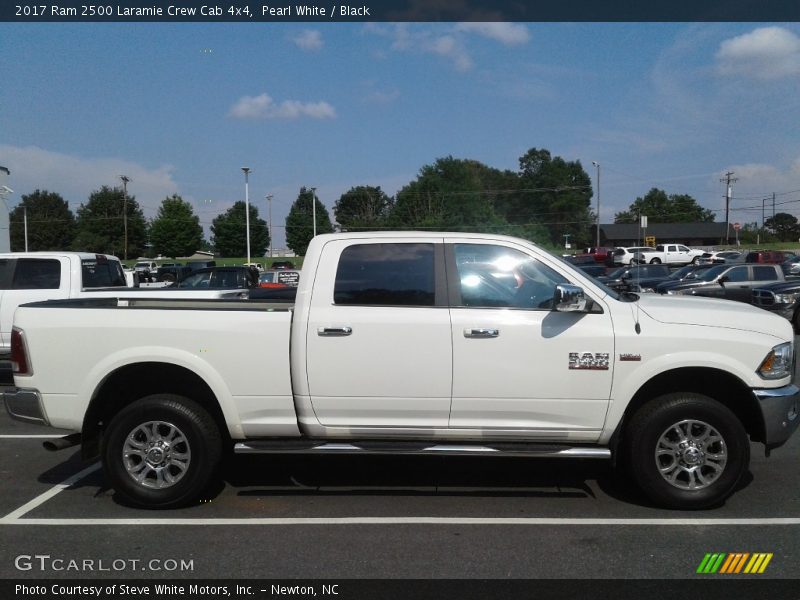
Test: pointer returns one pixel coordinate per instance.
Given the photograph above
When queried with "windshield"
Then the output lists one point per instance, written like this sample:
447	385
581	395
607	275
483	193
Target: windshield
682	272
712	273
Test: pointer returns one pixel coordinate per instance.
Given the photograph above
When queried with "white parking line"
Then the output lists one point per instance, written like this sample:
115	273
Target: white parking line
42	498
33	437
411	521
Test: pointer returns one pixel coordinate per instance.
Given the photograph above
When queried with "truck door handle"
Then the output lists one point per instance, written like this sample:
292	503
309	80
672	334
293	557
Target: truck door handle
334	331
481	333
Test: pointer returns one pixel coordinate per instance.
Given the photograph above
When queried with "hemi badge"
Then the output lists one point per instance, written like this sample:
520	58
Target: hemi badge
630	357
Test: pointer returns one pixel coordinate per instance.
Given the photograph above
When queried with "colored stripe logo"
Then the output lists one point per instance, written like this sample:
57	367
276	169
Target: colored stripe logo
733	563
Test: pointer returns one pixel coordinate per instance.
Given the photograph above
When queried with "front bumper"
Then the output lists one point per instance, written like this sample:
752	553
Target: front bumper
779	411
25	405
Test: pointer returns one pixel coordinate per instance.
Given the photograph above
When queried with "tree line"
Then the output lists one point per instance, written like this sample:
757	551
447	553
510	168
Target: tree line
547	200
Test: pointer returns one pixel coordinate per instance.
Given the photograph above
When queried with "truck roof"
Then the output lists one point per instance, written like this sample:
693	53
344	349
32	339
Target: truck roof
80	255
427	235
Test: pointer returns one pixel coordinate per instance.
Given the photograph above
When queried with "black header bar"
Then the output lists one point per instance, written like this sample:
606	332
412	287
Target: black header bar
282	11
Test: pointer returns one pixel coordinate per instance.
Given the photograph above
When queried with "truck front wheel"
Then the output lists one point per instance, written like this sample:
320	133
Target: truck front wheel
686	450
161	451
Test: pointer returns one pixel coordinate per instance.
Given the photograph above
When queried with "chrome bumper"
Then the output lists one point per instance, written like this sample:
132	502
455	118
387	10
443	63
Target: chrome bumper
779	411
25	405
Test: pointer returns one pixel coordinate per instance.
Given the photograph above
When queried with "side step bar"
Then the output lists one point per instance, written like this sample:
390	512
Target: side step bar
375	447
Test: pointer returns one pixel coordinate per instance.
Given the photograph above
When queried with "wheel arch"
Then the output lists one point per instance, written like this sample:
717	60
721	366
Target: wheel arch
720	385
130	382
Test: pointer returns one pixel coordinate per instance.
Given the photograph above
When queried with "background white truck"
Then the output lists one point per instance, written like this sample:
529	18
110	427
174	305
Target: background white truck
32	276
669	254
412	343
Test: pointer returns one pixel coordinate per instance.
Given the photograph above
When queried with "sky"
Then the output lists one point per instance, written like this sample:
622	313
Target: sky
180	108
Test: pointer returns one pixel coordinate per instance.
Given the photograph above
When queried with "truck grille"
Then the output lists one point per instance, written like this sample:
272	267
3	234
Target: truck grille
763	298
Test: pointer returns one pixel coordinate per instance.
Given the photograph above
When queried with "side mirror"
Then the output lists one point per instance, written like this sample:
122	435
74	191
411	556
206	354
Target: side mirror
722	280
569	298
626	276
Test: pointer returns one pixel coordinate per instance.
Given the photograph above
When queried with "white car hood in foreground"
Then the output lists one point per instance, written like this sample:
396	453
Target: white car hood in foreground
712	312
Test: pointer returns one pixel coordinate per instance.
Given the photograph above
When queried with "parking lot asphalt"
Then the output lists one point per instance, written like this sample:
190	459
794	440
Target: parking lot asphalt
389	517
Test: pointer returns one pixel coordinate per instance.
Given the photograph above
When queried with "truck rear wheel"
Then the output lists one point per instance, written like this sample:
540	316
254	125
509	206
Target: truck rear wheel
161	451
655	261
686	450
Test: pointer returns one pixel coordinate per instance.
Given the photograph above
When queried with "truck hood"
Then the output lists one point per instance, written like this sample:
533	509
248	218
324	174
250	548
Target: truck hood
712	312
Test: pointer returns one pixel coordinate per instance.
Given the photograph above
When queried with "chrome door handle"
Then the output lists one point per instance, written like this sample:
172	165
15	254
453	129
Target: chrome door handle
481	333
334	331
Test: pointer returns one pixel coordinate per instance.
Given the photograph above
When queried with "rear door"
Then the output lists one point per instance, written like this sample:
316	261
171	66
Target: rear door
378	350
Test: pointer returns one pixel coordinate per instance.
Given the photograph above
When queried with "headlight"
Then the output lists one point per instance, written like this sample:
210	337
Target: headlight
786	298
778	363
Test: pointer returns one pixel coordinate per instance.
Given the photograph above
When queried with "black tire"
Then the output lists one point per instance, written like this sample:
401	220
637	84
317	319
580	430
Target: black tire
655	261
168	277
699	481
695	260
166	427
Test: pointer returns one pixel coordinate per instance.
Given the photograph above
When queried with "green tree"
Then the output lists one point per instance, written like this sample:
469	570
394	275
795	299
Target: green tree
554	193
784	226
362	208
661	208
230	232
450	194
51	224
300	221
101	224
176	231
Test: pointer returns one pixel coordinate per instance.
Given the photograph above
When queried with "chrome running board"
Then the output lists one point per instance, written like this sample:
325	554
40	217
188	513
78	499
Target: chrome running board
414	447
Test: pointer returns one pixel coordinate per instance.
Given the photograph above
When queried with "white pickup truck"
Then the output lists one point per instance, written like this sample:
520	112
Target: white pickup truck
669	254
32	276
412	343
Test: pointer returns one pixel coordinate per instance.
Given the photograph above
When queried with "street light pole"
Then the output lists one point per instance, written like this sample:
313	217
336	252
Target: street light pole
246	171
25	220
125	181
271	242
314	208
597	164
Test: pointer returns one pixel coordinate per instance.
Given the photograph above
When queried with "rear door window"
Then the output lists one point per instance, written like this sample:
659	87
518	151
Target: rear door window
37	274
764	274
391	274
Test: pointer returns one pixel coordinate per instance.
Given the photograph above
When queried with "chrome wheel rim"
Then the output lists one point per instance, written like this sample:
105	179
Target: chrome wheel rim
691	455
156	454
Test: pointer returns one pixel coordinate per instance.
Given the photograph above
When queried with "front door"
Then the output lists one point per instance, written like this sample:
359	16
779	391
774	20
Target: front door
517	364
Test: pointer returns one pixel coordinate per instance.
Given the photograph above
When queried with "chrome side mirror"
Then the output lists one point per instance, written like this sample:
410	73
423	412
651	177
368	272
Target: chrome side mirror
569	298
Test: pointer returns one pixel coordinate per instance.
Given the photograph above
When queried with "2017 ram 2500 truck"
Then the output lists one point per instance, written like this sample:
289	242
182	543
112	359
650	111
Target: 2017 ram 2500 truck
413	343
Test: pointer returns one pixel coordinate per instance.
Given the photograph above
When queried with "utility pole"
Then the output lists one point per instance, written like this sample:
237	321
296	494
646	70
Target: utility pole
246	171
728	180
314	208
125	181
25	220
597	164
271	242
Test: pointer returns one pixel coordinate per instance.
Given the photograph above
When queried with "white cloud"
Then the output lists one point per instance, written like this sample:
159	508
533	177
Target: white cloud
264	107
308	39
506	33
76	177
450	43
764	53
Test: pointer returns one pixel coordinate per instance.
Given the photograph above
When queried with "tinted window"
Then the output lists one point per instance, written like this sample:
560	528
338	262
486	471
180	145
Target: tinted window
737	274
386	275
37	274
6	271
764	273
496	276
